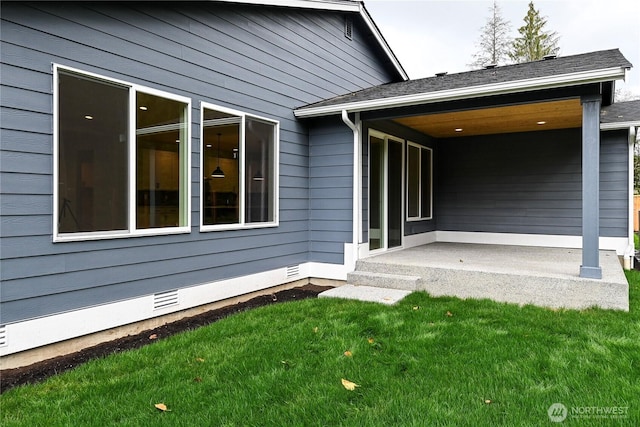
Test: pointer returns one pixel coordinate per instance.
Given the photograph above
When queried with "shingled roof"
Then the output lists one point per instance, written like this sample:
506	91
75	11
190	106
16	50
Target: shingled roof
584	68
623	114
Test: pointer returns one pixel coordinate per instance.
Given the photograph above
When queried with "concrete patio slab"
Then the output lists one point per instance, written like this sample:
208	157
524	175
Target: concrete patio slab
546	277
366	293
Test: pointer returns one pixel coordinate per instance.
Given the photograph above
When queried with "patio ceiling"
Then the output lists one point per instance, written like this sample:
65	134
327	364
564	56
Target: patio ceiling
514	118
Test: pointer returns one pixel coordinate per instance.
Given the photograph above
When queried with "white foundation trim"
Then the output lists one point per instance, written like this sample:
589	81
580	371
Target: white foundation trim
419	239
619	244
38	332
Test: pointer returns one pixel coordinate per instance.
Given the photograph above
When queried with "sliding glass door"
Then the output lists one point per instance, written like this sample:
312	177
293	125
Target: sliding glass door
386	159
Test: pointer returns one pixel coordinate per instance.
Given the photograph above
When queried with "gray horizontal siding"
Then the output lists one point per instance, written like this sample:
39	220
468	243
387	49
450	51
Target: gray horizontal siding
528	183
331	189
261	60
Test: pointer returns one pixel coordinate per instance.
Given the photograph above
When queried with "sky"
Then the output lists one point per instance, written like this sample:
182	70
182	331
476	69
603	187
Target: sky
431	36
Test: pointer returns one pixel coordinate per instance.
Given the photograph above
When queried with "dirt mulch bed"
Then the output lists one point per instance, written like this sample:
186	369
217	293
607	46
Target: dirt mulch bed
40	371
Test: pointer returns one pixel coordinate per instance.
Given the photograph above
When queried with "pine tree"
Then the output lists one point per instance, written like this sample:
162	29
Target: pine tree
495	43
534	42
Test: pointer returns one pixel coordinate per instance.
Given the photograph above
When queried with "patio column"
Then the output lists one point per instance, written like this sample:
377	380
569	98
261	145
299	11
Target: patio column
590	267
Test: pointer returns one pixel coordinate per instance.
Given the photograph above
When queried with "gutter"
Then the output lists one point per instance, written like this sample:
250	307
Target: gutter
619	125
356	184
538	83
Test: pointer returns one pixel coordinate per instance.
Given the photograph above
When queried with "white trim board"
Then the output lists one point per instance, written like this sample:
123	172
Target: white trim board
42	331
619	244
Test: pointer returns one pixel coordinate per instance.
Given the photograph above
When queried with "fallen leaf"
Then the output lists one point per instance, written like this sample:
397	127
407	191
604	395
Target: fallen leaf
315	330
153	336
371	340
161	406
461	261
449	314
197	379
349	385
415	307
199	359
348	353
487	401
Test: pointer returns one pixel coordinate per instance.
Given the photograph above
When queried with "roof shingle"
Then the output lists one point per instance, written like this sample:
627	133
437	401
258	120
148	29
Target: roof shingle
561	65
628	111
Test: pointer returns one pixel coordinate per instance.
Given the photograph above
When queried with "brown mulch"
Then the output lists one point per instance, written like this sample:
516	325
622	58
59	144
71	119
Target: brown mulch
40	371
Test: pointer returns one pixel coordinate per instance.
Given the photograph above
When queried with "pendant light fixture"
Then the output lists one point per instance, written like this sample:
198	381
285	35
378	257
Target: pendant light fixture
258	176
218	172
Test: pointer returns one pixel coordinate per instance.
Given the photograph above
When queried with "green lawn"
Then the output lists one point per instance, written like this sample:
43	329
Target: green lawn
425	361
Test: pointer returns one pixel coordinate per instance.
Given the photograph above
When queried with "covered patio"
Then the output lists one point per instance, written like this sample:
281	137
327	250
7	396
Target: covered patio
497	171
517	274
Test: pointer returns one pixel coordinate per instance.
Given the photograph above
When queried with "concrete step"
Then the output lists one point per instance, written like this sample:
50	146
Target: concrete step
366	293
384	280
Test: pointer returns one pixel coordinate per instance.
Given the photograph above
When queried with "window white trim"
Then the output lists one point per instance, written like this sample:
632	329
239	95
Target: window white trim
420	216
241	224
185	190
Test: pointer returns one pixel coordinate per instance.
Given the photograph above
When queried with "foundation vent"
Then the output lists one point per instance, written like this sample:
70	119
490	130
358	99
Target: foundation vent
3	336
165	299
293	271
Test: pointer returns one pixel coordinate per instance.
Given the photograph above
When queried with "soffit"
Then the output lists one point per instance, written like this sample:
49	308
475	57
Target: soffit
507	119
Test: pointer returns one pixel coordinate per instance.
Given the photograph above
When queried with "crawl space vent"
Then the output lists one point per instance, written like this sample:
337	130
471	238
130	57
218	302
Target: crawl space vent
348	28
293	271
165	299
3	336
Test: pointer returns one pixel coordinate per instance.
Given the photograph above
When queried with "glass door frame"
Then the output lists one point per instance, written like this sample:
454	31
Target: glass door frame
385	229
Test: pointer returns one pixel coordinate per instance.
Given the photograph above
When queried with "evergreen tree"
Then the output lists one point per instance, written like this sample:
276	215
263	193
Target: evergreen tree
534	42
495	43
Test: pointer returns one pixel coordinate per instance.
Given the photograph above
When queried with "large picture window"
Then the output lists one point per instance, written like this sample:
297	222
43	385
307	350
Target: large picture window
122	158
419	182
239	169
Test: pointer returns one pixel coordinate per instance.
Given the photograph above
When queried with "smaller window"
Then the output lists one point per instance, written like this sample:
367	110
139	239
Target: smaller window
419	182
348	27
239	162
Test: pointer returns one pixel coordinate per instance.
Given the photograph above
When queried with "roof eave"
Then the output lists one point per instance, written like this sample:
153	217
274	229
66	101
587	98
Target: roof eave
381	40
619	125
540	83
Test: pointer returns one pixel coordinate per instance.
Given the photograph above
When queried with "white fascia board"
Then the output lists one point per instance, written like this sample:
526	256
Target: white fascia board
619	125
381	40
549	82
341	5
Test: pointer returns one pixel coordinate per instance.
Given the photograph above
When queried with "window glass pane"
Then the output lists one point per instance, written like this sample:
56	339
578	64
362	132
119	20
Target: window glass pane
93	155
394	189
260	171
376	193
161	143
413	182
221	168
426	183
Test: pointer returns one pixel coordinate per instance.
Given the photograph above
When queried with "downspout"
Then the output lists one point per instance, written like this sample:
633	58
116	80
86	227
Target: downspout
357	176
634	137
